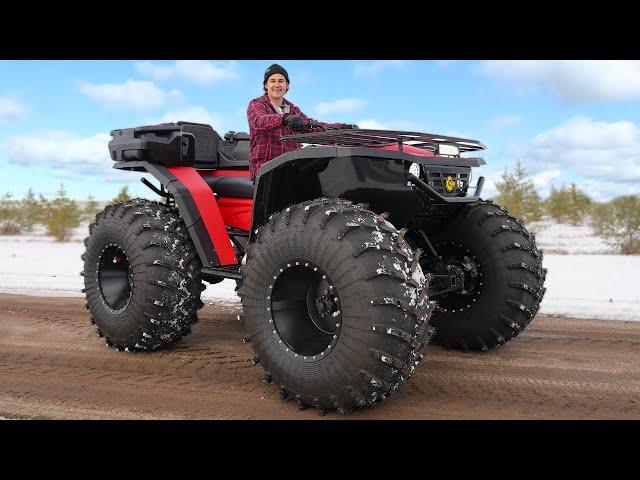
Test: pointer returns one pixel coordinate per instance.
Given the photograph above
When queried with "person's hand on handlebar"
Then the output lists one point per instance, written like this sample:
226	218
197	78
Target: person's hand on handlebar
295	123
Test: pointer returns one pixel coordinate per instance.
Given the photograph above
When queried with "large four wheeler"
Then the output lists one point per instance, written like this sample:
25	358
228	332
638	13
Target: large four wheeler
349	254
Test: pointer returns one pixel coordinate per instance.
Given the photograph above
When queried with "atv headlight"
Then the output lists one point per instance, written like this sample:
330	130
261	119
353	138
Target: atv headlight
444	149
414	169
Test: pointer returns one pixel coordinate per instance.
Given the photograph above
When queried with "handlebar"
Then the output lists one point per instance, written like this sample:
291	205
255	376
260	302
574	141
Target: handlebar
324	128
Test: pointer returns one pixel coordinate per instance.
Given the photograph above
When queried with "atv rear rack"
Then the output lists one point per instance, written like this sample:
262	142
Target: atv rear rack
370	138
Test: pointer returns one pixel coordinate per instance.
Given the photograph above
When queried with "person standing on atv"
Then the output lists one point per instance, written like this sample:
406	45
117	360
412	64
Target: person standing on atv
271	116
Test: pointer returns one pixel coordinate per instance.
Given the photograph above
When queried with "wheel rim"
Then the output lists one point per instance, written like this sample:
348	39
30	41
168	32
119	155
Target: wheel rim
467	263
114	277
305	310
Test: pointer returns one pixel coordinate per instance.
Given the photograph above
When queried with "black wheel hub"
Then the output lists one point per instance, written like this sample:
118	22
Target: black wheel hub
305	310
114	277
456	260
467	270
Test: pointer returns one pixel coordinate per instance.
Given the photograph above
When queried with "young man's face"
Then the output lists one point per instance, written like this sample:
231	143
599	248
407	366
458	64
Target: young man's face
276	85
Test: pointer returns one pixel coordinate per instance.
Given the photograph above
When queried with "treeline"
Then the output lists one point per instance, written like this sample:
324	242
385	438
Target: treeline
59	216
617	220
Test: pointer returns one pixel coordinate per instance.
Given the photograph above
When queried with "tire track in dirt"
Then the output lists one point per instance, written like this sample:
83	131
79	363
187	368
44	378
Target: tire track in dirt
53	365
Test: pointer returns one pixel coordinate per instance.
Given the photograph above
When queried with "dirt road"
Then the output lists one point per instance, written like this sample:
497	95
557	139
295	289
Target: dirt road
53	365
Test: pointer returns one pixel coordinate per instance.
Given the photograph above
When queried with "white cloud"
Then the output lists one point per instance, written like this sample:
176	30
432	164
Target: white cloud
132	94
68	155
11	109
604	154
199	71
198	114
154	70
402	125
542	181
372	124
504	121
344	105
572	81
374	68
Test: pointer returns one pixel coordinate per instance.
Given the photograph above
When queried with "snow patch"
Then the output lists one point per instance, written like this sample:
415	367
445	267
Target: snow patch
588	286
565	239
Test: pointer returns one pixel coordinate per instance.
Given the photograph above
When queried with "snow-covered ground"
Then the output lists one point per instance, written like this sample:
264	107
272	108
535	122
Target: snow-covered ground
564	239
588	281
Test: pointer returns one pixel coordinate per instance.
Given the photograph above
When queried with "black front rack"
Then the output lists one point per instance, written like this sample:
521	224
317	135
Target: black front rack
374	138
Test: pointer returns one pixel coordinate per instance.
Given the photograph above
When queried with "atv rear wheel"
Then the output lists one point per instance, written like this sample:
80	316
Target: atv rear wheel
335	304
503	278
141	275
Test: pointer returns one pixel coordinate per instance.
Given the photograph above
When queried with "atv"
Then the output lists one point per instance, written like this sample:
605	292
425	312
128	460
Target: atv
349	254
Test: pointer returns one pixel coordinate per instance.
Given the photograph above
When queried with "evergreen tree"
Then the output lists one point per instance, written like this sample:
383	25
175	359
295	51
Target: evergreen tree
123	195
600	215
517	194
9	215
557	204
567	204
579	204
90	209
62	215
30	211
623	225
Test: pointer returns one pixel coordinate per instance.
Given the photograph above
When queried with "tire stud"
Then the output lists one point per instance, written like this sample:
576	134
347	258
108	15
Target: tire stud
267	378
246	339
321	411
301	404
255	360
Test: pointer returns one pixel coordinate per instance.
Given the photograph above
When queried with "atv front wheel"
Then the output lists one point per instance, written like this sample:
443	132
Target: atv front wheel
503	278
141	275
335	304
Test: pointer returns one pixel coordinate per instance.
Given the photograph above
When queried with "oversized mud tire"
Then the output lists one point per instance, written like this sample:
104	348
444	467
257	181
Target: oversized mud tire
141	275
335	305
506	293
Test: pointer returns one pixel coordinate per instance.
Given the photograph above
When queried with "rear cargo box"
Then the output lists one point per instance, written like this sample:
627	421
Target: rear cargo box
168	144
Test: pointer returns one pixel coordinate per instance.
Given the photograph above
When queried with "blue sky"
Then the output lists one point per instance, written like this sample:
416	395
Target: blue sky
564	120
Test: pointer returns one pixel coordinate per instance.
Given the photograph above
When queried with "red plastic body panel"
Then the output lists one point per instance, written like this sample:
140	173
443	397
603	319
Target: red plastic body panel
236	212
407	149
209	211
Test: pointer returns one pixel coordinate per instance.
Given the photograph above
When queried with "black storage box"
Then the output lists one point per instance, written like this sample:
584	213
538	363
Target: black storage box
168	144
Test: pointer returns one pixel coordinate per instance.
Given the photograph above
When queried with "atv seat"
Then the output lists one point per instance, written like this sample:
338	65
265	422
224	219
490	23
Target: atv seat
241	187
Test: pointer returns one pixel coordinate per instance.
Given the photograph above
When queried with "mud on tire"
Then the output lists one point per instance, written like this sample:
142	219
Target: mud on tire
141	275
361	274
510	286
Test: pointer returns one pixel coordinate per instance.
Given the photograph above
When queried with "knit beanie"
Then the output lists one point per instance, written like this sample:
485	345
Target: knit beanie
273	69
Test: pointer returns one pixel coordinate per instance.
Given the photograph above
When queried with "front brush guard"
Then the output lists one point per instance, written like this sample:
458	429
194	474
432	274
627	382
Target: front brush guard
417	184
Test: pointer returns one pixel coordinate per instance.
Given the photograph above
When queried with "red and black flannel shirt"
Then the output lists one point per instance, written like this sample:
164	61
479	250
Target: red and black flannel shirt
265	130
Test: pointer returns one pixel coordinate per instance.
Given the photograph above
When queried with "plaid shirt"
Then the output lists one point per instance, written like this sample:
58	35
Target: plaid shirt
265	130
